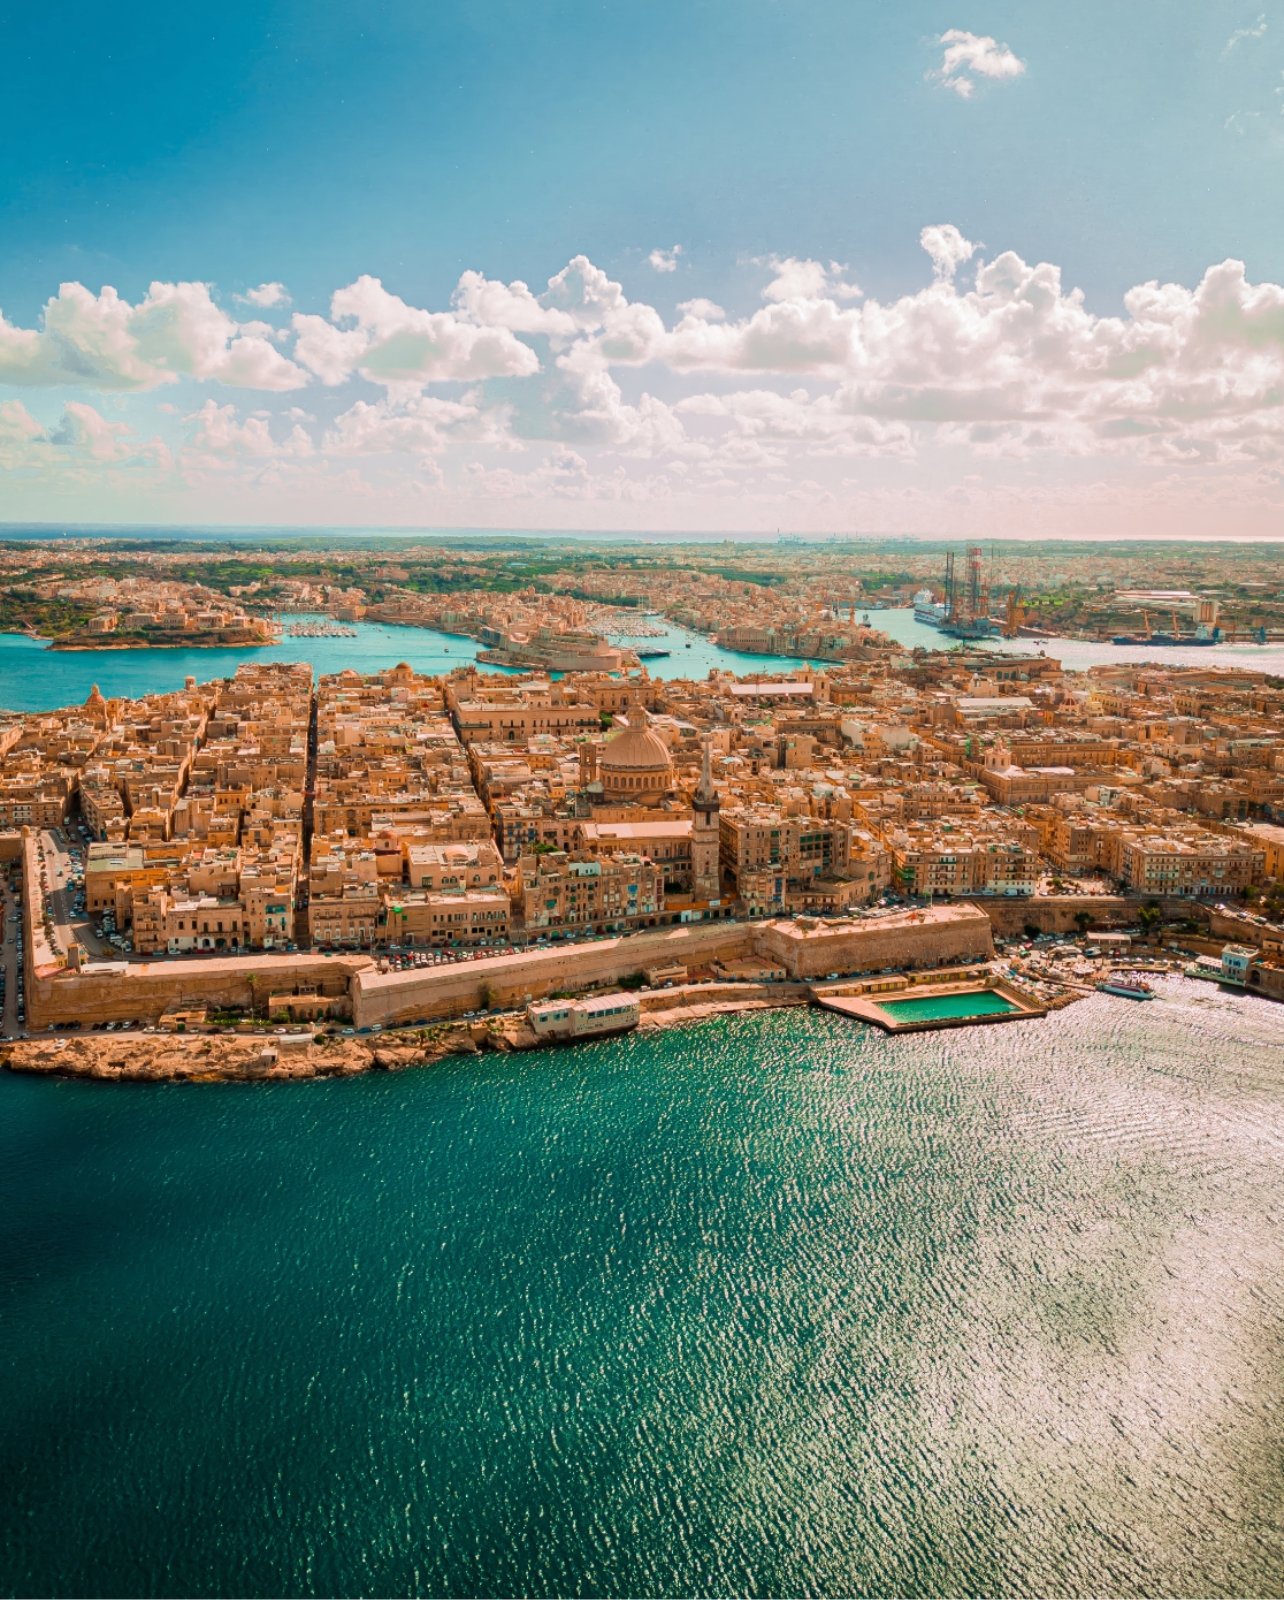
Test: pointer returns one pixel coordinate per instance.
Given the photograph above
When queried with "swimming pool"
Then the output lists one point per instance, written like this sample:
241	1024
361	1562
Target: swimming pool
935	1007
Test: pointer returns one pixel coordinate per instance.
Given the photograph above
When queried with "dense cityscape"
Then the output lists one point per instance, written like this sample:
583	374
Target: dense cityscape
421	821
642	800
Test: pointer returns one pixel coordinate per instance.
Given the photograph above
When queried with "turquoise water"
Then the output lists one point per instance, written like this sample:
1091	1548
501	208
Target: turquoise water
931	1008
33	678
768	1305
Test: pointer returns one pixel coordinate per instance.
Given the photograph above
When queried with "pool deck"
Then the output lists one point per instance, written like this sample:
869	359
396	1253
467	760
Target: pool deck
869	1007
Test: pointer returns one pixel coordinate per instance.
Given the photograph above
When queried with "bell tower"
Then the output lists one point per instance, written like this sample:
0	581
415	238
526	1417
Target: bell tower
706	875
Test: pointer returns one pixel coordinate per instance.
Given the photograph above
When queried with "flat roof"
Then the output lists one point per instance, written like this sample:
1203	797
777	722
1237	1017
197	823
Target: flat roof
638	830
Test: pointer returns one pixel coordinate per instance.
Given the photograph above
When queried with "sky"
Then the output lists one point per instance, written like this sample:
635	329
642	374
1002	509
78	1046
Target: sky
639	265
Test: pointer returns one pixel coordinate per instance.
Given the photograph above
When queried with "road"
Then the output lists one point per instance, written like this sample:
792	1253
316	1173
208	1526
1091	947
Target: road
9	910
70	927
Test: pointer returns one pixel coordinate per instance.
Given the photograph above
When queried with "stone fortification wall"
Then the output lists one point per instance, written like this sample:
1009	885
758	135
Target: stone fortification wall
509	981
947	934
1232	928
142	991
930	938
1056	913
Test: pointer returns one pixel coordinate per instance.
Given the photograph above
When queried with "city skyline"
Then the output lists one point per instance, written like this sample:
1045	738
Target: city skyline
815	269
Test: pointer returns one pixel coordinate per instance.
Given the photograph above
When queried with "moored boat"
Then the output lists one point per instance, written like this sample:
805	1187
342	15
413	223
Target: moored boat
1128	985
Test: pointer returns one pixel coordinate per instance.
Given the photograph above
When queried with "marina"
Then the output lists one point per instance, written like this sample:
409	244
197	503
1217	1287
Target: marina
319	630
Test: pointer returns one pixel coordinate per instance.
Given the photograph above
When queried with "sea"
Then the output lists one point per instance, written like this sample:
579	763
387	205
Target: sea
35	678
765	1305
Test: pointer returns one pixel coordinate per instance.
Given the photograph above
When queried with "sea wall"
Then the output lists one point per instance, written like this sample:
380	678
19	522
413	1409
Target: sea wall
804	948
427	994
143	991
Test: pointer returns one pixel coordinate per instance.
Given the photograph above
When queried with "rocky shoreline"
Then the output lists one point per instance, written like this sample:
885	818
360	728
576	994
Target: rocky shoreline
222	1058
232	1057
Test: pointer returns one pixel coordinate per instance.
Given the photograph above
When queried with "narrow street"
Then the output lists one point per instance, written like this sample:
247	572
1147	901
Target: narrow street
9	1013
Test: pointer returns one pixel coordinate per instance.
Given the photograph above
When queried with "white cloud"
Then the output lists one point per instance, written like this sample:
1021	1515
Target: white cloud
401	346
795	279
702	310
267	294
420	427
968	56
947	248
217	431
1254	30
991	363
508	305
83	441
665	260
102	342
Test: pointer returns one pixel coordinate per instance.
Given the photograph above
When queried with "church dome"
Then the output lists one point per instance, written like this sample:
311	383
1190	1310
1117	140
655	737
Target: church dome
636	764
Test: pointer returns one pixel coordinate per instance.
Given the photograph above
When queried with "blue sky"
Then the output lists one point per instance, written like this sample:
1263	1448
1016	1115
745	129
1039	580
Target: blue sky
317	146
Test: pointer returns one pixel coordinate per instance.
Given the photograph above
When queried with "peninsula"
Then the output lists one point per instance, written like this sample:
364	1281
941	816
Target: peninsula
395	851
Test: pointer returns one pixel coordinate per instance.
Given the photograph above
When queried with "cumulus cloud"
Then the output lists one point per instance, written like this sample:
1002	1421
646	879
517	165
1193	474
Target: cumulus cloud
795	279
420	427
969	56
101	341
702	310
948	249
217	430
1254	30
508	305
990	361
665	260
377	334
83	439
266	295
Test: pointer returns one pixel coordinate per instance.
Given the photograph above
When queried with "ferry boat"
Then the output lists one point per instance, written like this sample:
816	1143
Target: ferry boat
1128	985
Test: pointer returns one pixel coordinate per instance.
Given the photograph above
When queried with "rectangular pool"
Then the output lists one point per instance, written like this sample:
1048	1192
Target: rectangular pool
934	1007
